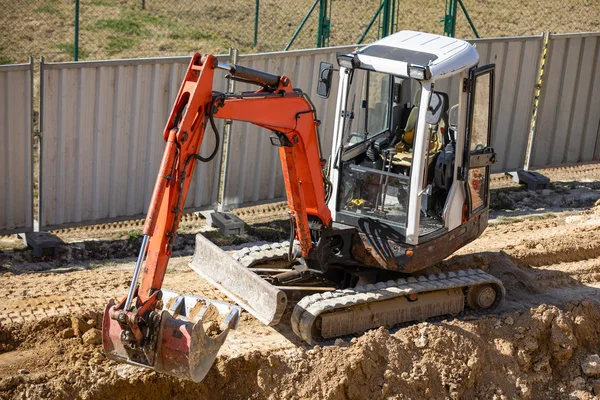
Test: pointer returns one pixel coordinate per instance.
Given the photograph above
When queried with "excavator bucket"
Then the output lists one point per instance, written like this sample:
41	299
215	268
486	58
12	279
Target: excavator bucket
188	333
261	299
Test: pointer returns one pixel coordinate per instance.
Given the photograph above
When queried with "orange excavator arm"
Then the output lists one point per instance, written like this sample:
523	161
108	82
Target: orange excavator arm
282	110
133	329
292	119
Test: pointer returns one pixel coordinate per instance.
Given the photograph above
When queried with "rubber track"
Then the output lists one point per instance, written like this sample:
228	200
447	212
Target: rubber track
310	307
250	254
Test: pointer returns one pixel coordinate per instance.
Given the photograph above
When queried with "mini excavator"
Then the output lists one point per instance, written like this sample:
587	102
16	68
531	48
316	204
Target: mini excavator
406	185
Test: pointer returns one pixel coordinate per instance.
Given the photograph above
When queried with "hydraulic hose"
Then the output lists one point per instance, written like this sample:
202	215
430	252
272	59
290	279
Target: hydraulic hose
217	136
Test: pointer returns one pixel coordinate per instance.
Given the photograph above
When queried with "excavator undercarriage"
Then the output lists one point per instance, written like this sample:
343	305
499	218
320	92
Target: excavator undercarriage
260	278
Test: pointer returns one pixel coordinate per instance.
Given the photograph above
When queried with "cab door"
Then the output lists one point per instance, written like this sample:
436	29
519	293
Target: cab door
480	154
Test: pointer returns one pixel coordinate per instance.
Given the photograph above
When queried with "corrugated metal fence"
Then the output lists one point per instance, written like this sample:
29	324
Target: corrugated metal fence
102	125
16	180
568	121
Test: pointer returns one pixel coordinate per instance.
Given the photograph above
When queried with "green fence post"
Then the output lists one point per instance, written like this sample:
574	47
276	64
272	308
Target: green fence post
319	27
450	18
76	40
393	25
256	22
323	28
464	9
327	27
385	25
143	4
295	35
322	12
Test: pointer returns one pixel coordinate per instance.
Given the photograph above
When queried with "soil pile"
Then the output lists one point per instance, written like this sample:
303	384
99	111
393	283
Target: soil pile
530	355
543	344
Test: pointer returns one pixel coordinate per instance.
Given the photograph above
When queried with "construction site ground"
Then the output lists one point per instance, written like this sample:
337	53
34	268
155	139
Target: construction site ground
543	245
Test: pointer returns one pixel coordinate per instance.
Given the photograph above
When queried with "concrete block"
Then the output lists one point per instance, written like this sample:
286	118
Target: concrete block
228	223
533	180
42	243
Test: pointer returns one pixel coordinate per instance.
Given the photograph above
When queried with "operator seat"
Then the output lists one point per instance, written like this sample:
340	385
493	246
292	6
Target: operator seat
408	132
404	154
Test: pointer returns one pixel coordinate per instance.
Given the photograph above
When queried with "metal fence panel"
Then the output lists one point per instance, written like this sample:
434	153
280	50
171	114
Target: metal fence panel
253	164
568	121
16	171
102	125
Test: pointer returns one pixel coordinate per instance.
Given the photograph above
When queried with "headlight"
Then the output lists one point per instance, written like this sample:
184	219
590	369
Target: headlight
345	62
348	61
418	72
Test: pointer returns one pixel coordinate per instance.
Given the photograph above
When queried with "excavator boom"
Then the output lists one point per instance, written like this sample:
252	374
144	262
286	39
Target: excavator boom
181	334
174	334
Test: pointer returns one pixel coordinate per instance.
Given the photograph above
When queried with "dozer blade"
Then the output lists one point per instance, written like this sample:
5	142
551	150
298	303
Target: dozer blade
183	340
254	294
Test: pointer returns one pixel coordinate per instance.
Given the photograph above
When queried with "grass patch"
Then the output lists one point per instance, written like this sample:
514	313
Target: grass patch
194	34
154	19
5	59
507	220
94	266
48	8
134	234
118	44
103	3
125	25
538	217
134	23
69	49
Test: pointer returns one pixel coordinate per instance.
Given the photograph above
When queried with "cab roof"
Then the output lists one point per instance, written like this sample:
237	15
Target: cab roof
445	56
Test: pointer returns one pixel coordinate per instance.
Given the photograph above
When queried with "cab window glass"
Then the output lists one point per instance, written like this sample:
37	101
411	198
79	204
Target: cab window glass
368	102
481	113
479	137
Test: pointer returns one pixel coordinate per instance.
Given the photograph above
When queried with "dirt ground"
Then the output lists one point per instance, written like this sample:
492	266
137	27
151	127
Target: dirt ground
544	246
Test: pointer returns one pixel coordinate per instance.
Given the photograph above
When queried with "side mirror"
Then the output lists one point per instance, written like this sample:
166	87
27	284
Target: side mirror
324	82
437	104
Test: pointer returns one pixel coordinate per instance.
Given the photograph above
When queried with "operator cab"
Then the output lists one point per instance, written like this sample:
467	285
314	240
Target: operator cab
399	162
378	150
